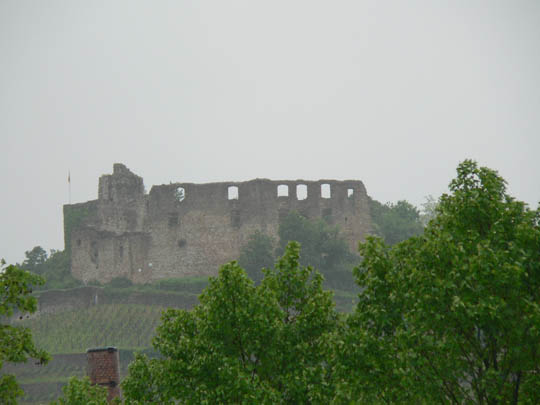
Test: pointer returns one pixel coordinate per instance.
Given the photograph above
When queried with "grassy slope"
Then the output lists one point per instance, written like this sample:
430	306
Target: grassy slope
120	325
126	326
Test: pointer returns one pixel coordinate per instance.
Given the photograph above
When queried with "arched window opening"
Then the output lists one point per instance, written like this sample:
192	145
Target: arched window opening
350	192
301	192
325	191
233	193
180	194
283	190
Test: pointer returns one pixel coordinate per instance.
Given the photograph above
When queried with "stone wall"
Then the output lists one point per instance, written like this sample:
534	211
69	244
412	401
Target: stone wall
186	229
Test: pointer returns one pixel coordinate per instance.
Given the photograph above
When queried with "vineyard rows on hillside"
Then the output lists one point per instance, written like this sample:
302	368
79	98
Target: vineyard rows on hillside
119	325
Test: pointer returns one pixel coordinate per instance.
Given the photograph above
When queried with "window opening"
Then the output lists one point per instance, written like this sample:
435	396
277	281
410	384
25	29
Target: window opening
325	191
301	192
283	190
350	192
233	193
180	194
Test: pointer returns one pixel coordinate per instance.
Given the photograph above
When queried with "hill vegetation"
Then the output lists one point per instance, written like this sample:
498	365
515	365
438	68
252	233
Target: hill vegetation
450	316
396	222
127	315
322	248
53	267
16	343
447	316
121	325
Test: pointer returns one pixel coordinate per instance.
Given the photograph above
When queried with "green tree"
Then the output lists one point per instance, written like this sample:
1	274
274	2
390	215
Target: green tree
16	343
258	254
429	210
395	222
322	248
243	343
55	268
79	391
452	316
34	259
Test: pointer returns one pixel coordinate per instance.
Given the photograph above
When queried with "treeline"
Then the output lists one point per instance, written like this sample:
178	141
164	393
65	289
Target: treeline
54	267
396	222
322	246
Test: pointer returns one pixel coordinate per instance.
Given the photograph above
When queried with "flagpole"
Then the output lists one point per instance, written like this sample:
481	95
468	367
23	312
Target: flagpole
69	185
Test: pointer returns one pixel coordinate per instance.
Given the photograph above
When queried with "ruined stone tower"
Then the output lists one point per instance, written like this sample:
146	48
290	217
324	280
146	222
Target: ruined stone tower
186	229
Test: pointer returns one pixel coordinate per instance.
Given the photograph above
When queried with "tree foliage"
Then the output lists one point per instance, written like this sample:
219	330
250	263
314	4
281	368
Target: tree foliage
16	343
257	254
395	222
452	316
429	210
323	248
34	259
79	391
243	343
54	268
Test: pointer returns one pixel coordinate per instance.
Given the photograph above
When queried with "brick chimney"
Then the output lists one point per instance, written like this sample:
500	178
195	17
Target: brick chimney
103	369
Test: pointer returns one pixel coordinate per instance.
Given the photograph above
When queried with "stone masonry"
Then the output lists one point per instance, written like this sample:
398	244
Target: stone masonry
186	229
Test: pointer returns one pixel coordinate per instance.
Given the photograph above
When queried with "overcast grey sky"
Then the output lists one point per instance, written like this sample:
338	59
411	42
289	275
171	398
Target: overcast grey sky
394	93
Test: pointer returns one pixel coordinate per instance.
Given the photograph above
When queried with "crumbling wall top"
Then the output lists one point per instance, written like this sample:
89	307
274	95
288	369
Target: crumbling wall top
119	168
121	186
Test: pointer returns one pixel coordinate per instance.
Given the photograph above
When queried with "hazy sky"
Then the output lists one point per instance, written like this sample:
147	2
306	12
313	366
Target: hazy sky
394	93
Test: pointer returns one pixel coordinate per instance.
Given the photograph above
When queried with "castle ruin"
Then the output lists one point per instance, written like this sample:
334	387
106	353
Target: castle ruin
186	229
